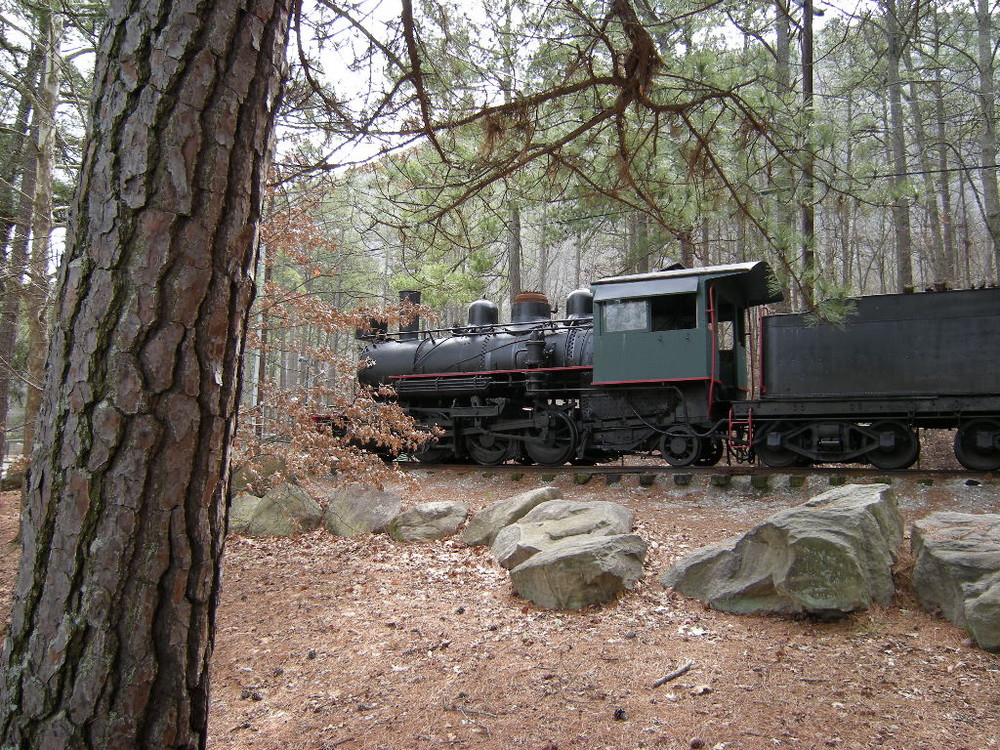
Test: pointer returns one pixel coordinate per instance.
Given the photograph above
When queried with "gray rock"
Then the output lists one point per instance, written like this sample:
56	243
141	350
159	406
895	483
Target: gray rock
257	474
957	570
484	525
428	521
241	511
283	511
831	555
355	510
580	570
554	521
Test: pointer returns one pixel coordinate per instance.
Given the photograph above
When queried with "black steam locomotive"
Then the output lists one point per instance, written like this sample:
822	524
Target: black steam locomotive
657	362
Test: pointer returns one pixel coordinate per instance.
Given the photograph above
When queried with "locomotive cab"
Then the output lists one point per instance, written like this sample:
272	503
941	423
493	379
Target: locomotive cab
684	326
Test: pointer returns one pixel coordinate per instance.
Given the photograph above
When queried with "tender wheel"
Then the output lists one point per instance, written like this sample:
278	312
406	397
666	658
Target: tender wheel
555	443
977	445
712	450
775	456
489	449
899	446
679	446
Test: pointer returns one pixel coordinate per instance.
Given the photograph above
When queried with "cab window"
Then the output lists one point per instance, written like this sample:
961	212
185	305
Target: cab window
626	315
674	312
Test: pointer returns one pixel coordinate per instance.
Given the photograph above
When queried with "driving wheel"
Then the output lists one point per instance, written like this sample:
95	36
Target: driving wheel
679	446
554	443
488	449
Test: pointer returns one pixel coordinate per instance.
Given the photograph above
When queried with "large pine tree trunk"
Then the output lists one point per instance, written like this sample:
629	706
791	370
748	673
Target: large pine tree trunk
113	620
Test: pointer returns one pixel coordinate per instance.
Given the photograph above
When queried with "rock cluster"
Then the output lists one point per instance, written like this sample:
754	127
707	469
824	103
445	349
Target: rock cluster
831	555
561	555
568	555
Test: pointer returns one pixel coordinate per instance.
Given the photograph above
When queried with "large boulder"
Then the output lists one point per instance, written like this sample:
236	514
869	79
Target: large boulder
428	521
580	570
832	555
257	474
555	520
241	512
957	570
486	524
353	510
285	510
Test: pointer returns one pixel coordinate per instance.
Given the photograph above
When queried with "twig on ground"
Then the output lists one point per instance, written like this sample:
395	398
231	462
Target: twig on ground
682	669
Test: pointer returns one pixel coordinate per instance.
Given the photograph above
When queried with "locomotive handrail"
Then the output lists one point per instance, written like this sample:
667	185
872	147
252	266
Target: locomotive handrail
513	328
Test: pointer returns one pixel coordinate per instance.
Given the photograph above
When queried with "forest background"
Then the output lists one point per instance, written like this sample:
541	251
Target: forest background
539	145
427	146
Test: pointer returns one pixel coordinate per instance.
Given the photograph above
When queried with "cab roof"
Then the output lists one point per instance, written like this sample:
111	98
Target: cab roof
753	281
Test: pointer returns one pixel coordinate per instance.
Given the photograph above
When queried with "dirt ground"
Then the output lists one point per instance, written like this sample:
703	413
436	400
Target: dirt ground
366	643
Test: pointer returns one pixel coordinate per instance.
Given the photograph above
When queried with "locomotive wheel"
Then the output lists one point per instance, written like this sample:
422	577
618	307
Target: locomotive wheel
431	452
489	449
904	452
554	444
711	452
776	458
679	446
432	455
976	446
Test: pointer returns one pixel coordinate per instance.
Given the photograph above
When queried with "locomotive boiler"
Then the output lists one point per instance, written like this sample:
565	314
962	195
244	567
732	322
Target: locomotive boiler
658	363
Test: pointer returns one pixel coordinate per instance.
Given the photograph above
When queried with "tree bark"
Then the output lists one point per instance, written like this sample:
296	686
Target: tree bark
113	619
36	292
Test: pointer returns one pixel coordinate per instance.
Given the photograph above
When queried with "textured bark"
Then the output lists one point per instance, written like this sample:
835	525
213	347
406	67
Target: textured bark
113	620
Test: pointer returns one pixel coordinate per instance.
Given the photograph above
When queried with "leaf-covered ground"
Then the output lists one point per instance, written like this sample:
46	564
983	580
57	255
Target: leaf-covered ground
367	643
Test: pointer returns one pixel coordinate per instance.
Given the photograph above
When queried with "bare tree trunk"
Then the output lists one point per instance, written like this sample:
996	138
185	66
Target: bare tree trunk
897	136
944	184
18	231
637	255
113	620
808	213
988	136
36	292
14	156
938	262
514	250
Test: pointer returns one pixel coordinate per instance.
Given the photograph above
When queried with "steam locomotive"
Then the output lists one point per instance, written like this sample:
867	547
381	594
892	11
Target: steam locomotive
658	363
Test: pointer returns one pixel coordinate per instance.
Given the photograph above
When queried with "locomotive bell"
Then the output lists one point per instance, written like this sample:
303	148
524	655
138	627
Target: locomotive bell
529	307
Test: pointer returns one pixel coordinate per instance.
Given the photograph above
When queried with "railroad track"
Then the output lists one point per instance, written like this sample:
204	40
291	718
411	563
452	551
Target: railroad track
686	474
